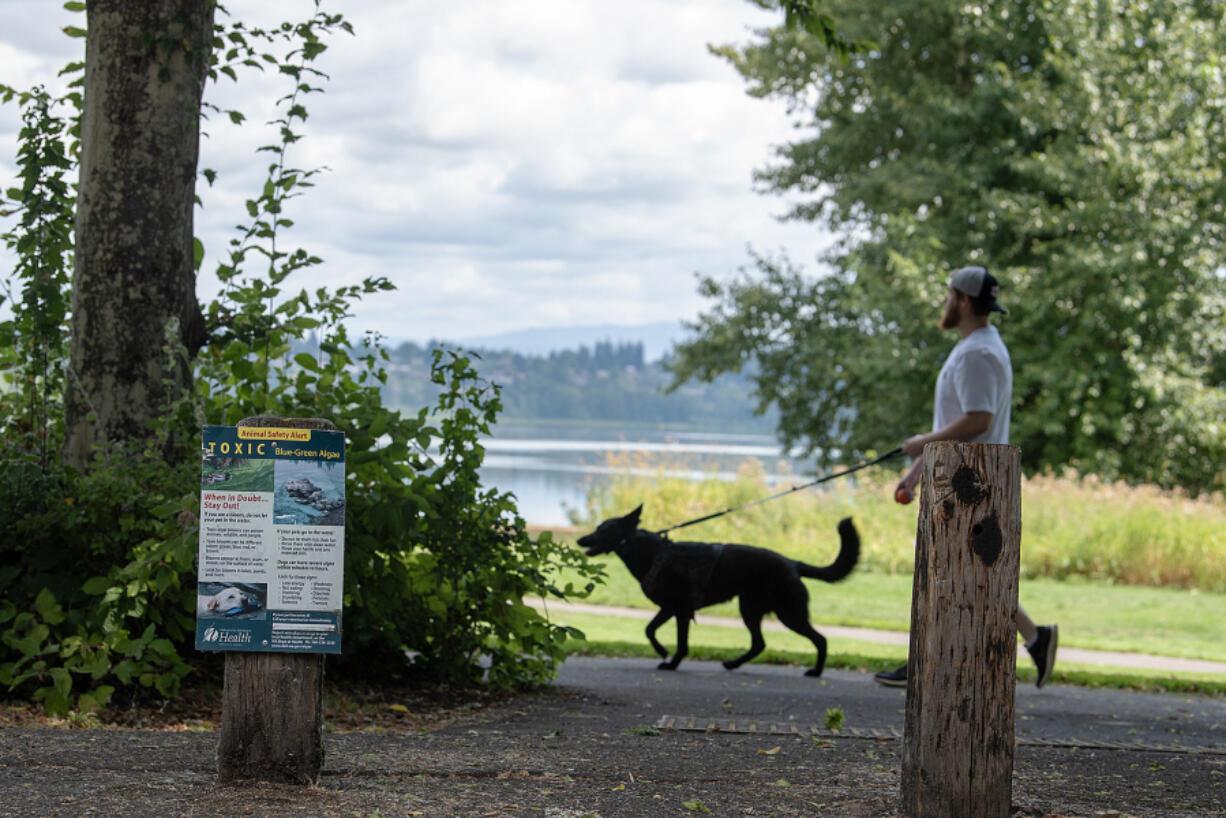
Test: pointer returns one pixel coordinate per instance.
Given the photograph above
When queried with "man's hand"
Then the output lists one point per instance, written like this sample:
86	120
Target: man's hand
913	447
905	491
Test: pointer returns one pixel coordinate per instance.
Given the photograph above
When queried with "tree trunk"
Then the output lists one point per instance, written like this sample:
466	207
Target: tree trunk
958	743
134	283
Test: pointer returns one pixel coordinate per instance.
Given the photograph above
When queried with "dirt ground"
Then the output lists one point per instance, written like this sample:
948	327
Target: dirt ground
565	752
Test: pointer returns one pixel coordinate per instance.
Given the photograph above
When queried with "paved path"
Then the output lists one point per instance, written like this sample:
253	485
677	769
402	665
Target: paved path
701	696
1071	655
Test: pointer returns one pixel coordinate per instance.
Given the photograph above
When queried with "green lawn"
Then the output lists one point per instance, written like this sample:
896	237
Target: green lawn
1159	621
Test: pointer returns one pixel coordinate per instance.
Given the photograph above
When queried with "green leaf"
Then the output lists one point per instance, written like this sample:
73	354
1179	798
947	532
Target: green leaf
96	585
62	680
95	699
54	702
48	608
306	361
123	671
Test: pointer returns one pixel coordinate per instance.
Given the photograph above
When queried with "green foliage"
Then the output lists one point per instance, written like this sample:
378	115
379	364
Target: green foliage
1072	147
32	343
94	568
473	562
808	18
98	567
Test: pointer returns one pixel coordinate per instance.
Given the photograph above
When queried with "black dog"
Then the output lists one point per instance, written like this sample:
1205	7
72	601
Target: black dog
682	577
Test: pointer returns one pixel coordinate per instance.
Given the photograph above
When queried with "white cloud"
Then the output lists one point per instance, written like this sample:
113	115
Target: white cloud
507	163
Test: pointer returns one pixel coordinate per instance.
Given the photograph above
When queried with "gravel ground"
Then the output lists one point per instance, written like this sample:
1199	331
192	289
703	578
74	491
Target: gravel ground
590	746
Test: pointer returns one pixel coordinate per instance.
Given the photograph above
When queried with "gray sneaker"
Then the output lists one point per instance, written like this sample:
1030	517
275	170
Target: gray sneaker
1043	651
892	678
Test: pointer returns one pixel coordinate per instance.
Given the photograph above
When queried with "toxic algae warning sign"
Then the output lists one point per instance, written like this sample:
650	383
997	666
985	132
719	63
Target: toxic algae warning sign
272	540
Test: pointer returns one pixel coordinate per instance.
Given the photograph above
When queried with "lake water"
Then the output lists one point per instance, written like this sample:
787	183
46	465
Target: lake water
551	469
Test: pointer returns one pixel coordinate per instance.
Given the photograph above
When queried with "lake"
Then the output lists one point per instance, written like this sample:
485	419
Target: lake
551	468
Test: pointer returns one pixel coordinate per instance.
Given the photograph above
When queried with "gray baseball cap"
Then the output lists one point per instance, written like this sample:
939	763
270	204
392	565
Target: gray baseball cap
979	284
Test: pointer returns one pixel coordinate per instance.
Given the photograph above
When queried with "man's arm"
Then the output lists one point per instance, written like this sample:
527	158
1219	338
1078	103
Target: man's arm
964	427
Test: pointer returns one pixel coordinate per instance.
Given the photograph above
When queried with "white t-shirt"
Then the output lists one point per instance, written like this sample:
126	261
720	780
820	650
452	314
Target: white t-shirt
977	377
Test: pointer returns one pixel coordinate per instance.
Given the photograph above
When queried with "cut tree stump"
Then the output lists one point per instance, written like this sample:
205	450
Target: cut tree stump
959	740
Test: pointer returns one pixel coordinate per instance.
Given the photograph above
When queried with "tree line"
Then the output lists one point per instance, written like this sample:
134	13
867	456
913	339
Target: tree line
606	382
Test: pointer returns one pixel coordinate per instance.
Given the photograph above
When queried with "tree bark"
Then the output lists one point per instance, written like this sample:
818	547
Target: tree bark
958	742
134	282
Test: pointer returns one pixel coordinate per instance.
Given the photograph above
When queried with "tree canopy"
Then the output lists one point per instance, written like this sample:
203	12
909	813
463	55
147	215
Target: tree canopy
1076	149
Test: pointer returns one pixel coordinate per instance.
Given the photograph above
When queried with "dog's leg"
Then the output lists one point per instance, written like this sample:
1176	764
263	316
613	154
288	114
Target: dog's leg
799	622
751	614
683	641
656	621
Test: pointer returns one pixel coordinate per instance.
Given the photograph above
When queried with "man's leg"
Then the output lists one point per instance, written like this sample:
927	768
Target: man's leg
1041	642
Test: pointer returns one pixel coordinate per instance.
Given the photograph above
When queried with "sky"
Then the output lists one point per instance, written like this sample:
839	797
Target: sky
508	165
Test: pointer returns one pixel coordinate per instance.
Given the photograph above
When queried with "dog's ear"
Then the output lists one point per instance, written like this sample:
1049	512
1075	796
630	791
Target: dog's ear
633	517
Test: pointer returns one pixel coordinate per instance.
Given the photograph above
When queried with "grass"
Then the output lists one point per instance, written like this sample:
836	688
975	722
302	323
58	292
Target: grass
623	636
1093	616
1124	569
1070	528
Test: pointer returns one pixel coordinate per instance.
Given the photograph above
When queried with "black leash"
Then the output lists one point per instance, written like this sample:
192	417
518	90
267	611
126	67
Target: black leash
810	484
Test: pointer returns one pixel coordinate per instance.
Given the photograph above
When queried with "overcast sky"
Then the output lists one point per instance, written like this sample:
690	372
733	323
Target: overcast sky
508	164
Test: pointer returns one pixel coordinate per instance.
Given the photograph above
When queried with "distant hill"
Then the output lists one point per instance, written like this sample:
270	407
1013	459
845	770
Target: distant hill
604	382
657	339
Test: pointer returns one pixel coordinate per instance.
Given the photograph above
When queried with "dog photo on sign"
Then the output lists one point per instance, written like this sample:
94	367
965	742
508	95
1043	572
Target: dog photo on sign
682	577
216	600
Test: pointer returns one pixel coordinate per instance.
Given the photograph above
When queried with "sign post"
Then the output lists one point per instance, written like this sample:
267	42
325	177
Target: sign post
958	740
271	578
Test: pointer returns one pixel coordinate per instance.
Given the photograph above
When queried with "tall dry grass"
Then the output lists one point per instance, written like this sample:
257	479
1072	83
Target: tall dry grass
1070	527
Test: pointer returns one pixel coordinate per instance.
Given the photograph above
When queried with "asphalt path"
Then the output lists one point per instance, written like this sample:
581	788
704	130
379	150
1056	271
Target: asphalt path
759	698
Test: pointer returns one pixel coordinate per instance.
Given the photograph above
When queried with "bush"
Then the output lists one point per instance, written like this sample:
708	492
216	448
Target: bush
97	569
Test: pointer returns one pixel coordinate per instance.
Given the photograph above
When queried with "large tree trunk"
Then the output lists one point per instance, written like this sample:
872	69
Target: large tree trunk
145	68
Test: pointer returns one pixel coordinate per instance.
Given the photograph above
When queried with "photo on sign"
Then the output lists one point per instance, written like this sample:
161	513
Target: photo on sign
231	600
236	473
309	492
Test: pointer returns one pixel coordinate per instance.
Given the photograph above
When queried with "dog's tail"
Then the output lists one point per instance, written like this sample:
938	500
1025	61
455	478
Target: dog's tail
849	555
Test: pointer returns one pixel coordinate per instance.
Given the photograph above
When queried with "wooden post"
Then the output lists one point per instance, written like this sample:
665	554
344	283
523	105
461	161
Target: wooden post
272	715
958	740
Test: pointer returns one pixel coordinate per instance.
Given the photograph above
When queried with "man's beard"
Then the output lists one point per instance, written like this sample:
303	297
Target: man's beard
952	316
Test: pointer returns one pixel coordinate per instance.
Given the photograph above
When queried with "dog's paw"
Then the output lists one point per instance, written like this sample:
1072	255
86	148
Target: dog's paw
667	666
814	672
731	664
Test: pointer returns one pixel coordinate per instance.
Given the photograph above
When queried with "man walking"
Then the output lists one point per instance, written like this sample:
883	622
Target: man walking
974	392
